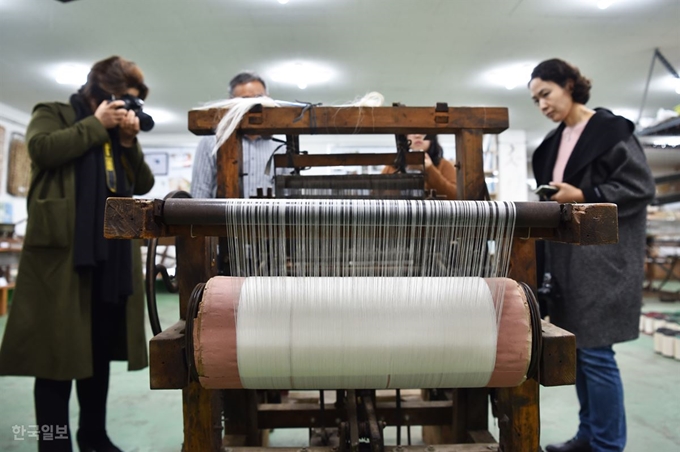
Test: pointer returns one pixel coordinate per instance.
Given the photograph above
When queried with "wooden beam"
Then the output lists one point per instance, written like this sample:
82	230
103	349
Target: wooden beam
558	357
167	363
304	415
315	160
589	224
131	217
356	120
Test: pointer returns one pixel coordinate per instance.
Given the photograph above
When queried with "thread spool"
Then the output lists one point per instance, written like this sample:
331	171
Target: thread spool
216	349
649	323
658	340
668	343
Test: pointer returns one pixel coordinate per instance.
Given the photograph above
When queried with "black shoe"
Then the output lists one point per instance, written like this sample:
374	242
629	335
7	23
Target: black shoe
573	445
101	444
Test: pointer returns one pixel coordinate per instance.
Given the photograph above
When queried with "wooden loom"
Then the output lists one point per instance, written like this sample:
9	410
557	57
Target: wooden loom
463	417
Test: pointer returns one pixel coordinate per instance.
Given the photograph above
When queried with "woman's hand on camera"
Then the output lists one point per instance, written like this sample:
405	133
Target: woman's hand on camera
567	193
428	161
129	128
110	114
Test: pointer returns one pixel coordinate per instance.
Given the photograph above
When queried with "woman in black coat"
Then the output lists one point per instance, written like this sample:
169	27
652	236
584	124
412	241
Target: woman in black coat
593	156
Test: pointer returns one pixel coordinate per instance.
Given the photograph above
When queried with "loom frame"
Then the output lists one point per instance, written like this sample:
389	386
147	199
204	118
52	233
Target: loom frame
465	417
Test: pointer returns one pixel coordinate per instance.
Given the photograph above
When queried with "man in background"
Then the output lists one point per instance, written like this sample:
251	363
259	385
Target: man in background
256	149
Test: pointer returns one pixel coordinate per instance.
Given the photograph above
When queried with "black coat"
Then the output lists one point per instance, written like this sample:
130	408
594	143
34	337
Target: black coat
601	286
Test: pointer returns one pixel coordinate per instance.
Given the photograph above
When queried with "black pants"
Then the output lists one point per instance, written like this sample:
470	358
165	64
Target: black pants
52	396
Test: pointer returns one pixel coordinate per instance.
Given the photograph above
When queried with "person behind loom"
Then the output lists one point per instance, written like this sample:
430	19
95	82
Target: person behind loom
440	174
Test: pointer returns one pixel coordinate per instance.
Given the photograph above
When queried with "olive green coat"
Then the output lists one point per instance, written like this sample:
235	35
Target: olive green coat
48	330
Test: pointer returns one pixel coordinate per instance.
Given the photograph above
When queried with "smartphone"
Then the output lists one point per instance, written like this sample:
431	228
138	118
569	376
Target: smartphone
546	191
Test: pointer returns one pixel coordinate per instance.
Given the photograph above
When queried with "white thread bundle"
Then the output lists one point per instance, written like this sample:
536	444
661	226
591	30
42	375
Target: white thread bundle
293	333
409	281
372	99
237	107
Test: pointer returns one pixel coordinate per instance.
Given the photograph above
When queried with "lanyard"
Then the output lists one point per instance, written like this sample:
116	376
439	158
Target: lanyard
109	167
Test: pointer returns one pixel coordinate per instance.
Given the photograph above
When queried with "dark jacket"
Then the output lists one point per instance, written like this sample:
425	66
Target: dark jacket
48	330
601	286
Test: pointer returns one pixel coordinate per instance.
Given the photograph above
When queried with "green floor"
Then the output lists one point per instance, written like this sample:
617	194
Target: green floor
141	420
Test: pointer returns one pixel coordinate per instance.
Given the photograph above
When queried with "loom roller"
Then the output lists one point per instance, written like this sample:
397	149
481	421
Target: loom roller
213	348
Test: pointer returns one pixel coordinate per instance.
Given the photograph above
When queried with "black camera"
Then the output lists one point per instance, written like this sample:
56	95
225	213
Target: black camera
133	103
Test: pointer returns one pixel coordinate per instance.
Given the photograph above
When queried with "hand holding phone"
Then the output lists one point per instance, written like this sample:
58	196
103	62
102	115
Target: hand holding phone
546	191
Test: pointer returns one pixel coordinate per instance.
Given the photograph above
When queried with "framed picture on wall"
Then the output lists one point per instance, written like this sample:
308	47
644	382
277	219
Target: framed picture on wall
19	167
158	162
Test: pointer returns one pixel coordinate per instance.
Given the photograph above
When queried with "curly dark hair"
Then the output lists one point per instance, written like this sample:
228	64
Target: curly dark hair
561	72
113	76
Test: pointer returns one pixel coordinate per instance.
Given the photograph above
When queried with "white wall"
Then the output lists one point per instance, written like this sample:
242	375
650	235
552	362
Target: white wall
512	166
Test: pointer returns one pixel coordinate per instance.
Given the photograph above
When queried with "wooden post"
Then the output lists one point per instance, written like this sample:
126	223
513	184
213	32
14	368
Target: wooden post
202	412
240	424
470	414
229	166
518	408
202	408
470	164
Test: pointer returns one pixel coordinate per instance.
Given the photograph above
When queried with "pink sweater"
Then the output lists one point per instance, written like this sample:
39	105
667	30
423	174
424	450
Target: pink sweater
570	136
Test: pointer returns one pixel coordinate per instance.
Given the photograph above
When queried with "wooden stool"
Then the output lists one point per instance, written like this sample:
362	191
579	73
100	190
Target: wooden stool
4	296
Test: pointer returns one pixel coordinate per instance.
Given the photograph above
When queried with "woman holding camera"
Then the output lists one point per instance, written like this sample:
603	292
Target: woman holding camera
440	174
78	302
593	156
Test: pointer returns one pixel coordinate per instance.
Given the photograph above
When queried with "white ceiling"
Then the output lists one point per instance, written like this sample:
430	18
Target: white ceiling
417	52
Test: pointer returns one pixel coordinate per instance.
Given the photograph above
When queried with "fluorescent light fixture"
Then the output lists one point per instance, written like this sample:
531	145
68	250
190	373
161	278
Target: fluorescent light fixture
159	115
604	4
283	2
302	74
72	74
511	76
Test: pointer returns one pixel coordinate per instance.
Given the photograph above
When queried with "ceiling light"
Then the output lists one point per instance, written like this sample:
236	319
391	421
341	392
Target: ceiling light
604	4
676	82
512	76
301	74
72	74
283	2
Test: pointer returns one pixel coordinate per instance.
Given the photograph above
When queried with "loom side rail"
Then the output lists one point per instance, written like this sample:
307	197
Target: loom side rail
356	120
129	218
